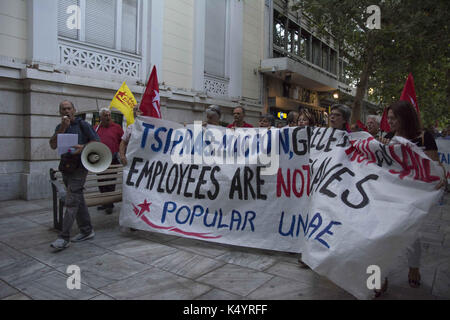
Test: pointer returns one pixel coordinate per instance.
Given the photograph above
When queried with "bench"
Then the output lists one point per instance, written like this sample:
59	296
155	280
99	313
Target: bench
92	195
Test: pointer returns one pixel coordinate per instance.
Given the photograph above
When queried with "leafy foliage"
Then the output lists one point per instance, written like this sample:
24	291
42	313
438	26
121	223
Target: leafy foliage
414	37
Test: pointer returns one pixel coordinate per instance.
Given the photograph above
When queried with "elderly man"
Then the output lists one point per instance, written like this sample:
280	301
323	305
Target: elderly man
239	114
373	125
74	176
110	133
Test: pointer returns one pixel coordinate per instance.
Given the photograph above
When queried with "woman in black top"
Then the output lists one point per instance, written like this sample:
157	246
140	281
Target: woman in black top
404	122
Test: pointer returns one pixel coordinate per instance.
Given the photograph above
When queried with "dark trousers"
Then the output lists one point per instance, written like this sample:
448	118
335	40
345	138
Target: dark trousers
76	208
108	188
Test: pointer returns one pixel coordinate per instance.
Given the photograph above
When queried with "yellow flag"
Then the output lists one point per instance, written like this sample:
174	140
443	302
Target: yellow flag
124	101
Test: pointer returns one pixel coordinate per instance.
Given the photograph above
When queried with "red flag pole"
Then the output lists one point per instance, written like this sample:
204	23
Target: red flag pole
409	94
384	125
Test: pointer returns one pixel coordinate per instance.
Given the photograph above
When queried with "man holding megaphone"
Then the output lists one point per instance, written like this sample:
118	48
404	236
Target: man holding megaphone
74	175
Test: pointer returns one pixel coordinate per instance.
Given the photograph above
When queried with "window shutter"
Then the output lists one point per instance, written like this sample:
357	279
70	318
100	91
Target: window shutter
63	30
100	22
215	34
129	25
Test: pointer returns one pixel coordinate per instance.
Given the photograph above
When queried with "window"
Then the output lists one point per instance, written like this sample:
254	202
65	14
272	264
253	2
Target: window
63	30
100	22
279	29
293	39
325	57
305	45
316	51
115	117
216	37
112	24
343	76
333	61
129	25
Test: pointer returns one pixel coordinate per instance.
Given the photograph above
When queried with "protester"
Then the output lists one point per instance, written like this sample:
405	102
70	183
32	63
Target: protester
306	118
74	176
446	133
373	125
324	122
126	138
110	133
266	121
281	124
404	122
340	116
292	118
239	114
212	115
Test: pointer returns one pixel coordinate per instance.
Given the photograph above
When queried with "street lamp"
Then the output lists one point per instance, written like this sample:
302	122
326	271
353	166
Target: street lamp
336	95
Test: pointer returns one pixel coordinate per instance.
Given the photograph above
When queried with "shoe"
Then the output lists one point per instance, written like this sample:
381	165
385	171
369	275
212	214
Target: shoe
82	237
414	277
383	289
101	208
60	244
109	210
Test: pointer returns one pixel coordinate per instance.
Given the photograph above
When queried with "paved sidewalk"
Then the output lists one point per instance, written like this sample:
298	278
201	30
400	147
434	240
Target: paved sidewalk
120	264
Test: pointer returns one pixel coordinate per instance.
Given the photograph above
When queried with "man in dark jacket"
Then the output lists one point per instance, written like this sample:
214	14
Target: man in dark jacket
73	179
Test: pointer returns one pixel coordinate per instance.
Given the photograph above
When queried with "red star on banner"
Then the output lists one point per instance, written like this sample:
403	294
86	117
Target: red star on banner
144	207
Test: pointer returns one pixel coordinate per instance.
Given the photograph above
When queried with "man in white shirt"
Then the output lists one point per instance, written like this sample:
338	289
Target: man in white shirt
126	138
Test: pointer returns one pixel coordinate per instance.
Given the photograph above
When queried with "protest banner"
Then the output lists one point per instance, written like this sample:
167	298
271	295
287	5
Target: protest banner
345	201
444	155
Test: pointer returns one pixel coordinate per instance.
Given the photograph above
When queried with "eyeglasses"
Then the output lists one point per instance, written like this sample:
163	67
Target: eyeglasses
335	115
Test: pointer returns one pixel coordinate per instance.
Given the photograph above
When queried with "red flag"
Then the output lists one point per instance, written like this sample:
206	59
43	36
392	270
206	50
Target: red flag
361	125
347	127
384	125
409	94
150	104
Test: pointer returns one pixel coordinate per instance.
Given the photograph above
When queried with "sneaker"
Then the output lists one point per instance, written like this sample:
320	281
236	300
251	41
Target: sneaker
60	244
82	237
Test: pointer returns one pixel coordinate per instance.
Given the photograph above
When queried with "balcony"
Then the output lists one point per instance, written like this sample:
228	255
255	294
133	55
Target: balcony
75	55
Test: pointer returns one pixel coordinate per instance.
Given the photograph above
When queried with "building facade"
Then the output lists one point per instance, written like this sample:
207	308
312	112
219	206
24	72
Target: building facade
251	53
302	68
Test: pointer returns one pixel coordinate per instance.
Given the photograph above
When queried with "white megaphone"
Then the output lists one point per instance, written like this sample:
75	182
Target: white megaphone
96	157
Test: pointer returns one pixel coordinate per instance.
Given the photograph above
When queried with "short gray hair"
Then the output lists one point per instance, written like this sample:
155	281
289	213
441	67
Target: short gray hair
213	109
103	110
344	110
374	117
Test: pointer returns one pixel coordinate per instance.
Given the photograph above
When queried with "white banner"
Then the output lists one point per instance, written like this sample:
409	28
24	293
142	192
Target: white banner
444	154
345	201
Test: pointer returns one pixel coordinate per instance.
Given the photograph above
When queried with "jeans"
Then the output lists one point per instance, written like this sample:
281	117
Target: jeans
76	208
